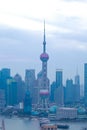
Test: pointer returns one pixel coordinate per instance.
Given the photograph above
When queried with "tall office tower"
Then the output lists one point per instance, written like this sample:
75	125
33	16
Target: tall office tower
30	82
20	88
35	96
30	79
77	80
85	83
44	88
27	103
59	91
59	78
4	75
11	92
69	93
53	88
77	88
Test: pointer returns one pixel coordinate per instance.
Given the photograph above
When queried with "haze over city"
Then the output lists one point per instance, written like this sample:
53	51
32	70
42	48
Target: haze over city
21	35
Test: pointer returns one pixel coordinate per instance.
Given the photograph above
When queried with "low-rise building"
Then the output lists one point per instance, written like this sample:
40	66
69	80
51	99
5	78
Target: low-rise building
66	113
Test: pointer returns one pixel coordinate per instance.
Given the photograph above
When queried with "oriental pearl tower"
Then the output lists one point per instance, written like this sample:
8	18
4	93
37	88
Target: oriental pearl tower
44	90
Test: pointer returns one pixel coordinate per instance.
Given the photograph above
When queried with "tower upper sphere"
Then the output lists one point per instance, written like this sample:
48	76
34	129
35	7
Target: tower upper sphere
44	56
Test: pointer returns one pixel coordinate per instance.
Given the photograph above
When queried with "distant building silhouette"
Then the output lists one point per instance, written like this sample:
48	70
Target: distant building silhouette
4	75
59	78
35	96
69	92
11	92
77	80
52	92
27	103
20	88
59	91
29	79
85	83
30	83
77	88
72	91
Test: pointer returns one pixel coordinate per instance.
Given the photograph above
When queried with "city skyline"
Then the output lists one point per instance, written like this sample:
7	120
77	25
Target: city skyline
21	36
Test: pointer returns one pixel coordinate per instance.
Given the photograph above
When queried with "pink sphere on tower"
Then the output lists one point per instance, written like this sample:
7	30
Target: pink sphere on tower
44	57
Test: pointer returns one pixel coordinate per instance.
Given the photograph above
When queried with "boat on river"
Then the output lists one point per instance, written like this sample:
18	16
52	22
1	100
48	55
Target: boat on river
44	121
62	126
49	126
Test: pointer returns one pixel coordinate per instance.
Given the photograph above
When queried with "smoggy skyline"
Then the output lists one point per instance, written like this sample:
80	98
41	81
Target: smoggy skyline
21	35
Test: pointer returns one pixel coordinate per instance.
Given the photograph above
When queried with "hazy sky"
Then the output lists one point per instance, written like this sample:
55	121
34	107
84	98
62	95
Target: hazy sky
21	35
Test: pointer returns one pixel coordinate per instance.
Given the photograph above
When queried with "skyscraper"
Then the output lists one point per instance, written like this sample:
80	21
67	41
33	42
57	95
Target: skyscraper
11	92
30	79
77	88
59	78
59	91
44	88
4	75
77	79
85	83
27	103
69	93
30	82
20	88
52	93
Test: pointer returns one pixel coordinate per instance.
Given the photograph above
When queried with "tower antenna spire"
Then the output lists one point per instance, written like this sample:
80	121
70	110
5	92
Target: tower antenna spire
44	42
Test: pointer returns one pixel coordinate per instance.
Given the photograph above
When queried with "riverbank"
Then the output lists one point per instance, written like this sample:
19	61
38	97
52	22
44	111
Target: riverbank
33	124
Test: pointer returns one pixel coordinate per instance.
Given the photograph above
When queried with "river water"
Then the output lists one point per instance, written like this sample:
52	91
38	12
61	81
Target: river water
16	123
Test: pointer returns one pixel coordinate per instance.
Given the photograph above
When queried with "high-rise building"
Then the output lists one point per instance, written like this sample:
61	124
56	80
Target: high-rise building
72	91
53	88
69	92
59	91
20	88
4	75
30	79
85	83
59	96
59	78
35	96
27	103
11	92
30	83
77	80
42	79
77	88
76	93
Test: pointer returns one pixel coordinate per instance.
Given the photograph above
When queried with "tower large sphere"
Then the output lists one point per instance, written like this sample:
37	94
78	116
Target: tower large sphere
44	57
